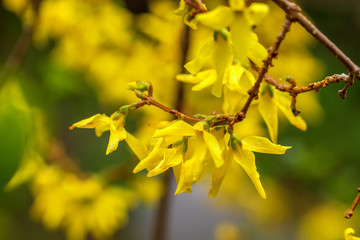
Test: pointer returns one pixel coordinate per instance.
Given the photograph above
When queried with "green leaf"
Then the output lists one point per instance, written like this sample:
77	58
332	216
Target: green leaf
14	127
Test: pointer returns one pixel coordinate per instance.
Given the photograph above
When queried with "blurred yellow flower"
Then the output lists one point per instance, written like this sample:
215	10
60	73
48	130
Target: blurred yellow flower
81	206
270	100
348	234
227	231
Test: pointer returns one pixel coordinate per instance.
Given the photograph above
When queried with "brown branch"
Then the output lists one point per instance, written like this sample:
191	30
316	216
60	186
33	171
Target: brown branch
273	52
315	86
149	100
294	11
348	214
197	6
293	14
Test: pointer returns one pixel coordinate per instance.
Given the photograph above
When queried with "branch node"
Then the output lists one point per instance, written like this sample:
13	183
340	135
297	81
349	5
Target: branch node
348	214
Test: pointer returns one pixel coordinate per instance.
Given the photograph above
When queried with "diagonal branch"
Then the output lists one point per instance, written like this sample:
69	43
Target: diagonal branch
294	11
273	52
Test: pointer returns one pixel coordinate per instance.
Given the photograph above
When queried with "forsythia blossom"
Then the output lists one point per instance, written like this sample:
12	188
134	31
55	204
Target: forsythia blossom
79	205
187	150
101	123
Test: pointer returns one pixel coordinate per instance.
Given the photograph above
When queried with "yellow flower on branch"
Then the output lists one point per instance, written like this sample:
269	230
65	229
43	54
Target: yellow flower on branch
269	103
242	152
233	45
102	123
184	148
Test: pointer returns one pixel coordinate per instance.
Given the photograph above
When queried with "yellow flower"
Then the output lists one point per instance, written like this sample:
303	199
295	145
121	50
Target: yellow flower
269	103
221	54
81	206
183	147
348	234
242	152
230	51
101	123
217	19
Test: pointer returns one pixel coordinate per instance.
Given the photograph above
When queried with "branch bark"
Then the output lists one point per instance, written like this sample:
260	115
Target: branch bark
294	11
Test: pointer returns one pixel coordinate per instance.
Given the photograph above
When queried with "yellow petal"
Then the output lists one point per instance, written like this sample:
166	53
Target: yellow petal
172	157
195	65
188	78
237	5
208	78
233	100
177	171
247	80
179	128
117	134
214	148
246	159
136	146
257	53
256	12
268	110
232	76
262	145
152	159
92	122
348	234
182	8
222	59
218	176
284	104
192	168
241	38
217	19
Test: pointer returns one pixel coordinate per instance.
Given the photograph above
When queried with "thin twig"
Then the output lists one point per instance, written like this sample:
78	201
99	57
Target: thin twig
315	86
348	214
273	52
294	11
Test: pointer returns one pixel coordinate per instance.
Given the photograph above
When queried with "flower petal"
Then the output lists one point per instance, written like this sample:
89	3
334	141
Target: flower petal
256	13
269	112
217	19
178	128
246	159
257	53
241	38
195	65
237	5
262	145
348	234
284	104
222	59
92	122
214	148
209	78
172	157
218	176
136	146
117	134
152	159
192	168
